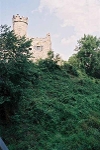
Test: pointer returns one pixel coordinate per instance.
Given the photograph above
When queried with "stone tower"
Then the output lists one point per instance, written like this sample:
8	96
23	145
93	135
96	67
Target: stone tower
20	25
39	46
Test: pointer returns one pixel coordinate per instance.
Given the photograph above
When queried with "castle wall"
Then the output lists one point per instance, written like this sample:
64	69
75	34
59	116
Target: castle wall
20	25
40	46
20	28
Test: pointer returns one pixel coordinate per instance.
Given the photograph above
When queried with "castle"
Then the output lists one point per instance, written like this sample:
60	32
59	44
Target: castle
40	46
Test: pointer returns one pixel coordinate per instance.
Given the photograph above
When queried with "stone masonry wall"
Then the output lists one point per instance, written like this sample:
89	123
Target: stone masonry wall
40	46
20	25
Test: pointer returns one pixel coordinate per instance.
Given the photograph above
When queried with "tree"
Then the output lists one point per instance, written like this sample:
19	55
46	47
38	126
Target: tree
73	60
11	46
16	75
50	63
88	55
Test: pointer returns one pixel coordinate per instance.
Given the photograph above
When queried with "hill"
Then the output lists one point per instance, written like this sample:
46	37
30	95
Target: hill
46	106
62	113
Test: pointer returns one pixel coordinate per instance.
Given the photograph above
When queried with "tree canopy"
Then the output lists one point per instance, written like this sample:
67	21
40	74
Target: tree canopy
15	70
88	56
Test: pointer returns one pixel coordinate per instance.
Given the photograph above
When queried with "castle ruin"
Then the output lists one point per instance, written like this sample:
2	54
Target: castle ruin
40	46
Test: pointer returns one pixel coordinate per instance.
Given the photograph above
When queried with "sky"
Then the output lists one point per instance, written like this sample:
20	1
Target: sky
66	20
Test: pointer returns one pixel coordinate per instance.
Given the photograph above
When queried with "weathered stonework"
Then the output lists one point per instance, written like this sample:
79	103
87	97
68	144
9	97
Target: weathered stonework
40	46
20	25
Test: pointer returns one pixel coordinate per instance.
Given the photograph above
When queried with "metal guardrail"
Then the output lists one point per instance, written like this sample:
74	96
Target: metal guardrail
2	145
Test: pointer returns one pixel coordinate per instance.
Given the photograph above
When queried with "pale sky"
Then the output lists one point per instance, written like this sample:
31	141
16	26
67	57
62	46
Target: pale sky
66	20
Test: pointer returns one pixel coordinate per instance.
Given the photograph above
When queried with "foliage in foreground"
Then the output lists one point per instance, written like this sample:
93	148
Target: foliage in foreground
63	113
57	108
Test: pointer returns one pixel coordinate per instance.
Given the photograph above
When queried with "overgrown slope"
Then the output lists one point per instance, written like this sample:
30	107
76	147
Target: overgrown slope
45	106
63	113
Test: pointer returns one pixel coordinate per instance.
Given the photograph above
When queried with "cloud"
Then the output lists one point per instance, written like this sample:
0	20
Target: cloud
55	35
68	41
84	15
69	44
35	10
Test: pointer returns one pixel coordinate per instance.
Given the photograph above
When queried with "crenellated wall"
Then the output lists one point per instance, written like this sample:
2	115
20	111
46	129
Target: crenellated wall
20	25
40	46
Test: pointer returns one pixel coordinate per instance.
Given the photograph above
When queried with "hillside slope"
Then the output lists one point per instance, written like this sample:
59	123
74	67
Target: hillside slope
63	113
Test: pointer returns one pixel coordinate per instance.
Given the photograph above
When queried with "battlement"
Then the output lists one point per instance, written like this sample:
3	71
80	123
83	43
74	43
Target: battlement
39	46
18	18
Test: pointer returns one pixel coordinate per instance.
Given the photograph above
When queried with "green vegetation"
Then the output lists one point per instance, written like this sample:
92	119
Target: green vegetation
88	56
44	106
